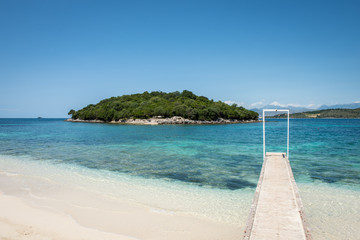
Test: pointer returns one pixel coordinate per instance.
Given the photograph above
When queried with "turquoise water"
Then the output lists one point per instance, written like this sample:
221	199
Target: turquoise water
209	156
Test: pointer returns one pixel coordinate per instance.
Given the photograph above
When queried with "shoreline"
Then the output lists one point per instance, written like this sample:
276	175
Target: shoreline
55	201
166	121
313	118
84	215
71	202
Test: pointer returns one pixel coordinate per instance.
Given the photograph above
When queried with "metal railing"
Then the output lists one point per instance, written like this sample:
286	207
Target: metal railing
288	126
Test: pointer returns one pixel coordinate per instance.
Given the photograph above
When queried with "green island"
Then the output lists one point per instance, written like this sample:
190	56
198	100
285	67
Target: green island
327	113
154	107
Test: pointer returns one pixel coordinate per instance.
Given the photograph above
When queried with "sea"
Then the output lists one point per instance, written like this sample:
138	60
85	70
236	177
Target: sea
206	170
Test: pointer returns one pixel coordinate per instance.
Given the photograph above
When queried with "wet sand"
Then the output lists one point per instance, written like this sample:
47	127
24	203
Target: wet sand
38	204
49	201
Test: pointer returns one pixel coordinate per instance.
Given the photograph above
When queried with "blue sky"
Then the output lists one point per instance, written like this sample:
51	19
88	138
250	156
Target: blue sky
58	55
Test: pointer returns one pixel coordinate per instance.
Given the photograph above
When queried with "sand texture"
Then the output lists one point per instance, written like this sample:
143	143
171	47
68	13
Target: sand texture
35	204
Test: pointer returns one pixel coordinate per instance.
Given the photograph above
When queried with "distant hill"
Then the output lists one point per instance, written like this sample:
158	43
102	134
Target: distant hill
162	105
303	109
327	113
291	108
346	106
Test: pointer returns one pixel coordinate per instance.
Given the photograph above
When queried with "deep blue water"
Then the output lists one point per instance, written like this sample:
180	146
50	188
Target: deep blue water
215	156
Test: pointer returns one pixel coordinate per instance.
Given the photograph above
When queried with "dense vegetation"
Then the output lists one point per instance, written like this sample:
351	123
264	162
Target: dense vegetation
147	105
327	113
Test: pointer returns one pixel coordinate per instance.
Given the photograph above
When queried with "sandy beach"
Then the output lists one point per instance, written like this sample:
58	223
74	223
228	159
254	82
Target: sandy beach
37	205
89	217
21	220
44	201
60	180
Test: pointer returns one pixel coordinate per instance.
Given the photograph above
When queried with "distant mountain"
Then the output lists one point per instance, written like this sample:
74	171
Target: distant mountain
303	109
291	108
345	106
328	113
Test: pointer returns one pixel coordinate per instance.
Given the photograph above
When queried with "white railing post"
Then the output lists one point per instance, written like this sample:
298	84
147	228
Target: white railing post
288	134
263	116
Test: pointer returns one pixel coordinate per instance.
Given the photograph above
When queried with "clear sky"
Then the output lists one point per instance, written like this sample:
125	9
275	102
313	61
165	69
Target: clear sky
58	55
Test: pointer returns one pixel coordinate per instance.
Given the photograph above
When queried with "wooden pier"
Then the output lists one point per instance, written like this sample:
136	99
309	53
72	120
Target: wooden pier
277	210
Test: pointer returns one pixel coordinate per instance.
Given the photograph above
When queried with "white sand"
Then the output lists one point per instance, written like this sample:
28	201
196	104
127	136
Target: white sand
19	220
332	212
41	201
36	204
81	216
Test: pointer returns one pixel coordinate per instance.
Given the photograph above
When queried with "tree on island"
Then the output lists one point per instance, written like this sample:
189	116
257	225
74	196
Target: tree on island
71	112
160	104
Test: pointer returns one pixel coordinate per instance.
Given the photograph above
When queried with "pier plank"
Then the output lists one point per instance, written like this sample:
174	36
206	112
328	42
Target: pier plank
277	209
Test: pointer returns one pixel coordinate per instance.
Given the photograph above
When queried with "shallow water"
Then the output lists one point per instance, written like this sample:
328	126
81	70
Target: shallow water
38	179
215	156
216	166
332	212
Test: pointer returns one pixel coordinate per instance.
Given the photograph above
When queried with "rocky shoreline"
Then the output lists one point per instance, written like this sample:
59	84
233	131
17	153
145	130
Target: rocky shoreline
165	121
